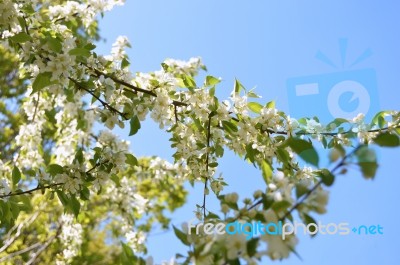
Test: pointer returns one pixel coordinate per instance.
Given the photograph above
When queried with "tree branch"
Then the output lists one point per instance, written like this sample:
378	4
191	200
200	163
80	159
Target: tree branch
207	164
105	104
45	245
10	239
16	253
306	195
134	88
30	191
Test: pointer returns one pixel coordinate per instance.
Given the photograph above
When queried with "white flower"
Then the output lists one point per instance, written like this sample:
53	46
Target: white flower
313	126
235	245
231	197
359	118
318	200
136	240
70	237
277	248
118	48
5	186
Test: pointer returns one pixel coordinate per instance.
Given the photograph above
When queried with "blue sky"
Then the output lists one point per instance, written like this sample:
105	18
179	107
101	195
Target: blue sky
273	45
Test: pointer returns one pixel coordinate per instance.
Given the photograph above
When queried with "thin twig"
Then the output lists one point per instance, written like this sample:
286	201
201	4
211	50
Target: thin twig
16	253
176	114
45	245
105	104
10	239
134	88
306	195
207	164
30	191
36	106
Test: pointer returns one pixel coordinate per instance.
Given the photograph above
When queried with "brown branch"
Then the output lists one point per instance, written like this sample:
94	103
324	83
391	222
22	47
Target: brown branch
36	106
134	88
105	104
11	239
30	191
46	186
309	192
45	245
305	196
16	253
207	164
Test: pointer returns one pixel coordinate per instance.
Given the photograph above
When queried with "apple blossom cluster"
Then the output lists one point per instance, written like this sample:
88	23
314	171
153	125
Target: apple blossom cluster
69	134
277	248
9	14
70	237
127	197
135	240
190	67
86	11
118	49
29	137
5	170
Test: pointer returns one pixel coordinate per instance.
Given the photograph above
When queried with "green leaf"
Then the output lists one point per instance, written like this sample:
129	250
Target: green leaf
16	175
80	52
90	46
125	63
211	80
368	169
42	80
270	105
367	161
301	189
74	205
336	123
387	140
281	205
181	236
252	247
266	171
251	94
379	119
135	125
62	197
234	262
131	160
305	150
309	220
54	44
55	169
79	156
219	151
250	153
127	256
238	87
212	215
213	164
255	107
229	127
85	193
326	177
188	81
21	37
